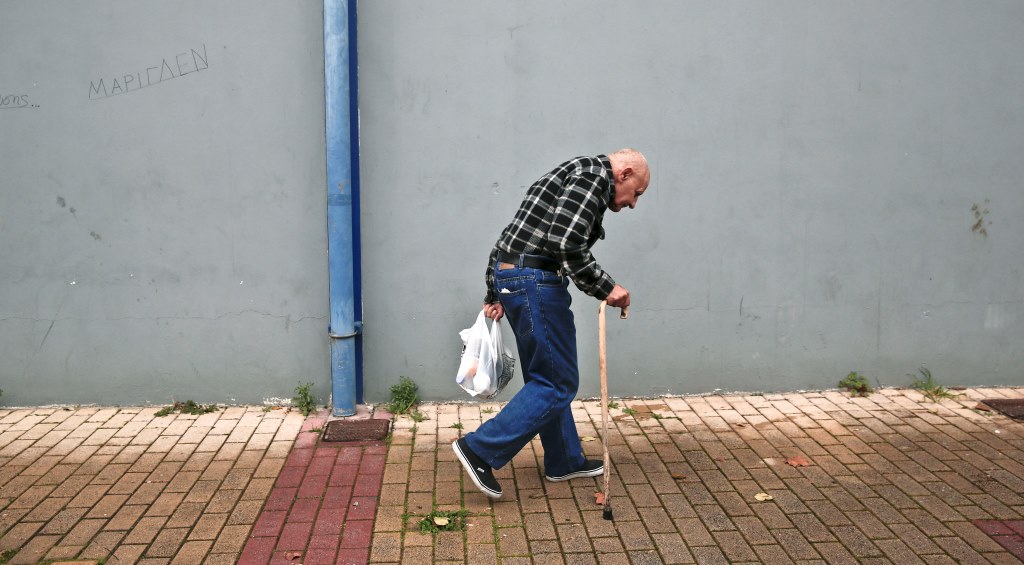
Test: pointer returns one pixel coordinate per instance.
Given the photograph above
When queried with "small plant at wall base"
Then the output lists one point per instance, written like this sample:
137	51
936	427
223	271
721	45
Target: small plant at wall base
930	390
187	407
404	396
303	399
856	384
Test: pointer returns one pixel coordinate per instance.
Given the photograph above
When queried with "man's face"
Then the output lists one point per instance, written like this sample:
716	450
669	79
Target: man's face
628	190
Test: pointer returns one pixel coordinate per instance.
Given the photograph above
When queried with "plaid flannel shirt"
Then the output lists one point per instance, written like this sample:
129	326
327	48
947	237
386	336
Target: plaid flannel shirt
560	217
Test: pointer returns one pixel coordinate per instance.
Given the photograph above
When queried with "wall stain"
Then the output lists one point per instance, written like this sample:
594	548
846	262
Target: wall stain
979	215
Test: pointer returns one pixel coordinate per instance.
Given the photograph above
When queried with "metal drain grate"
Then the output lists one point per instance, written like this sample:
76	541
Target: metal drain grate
357	430
1012	407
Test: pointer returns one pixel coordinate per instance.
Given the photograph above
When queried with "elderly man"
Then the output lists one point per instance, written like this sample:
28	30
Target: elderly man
528	272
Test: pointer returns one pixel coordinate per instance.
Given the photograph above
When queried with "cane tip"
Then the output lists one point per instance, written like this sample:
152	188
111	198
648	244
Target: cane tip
607	512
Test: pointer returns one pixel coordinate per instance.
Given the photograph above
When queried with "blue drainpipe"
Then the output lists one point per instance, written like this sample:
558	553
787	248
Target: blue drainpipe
340	73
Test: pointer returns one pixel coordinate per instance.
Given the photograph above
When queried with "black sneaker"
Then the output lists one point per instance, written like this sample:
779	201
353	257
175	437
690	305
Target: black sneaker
479	471
592	468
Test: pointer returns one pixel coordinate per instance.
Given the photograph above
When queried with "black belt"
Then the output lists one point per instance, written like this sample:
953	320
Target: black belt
531	261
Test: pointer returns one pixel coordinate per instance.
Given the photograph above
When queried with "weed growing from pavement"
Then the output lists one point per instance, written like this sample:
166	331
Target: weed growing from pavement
187	407
613	404
417	416
488	410
316	430
7	555
928	387
856	384
443	521
629	411
404	396
457	425
303	399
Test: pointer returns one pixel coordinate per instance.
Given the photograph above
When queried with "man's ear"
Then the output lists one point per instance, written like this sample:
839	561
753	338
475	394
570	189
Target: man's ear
625	174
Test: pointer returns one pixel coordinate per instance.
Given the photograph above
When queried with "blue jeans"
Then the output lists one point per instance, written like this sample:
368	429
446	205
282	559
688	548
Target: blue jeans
536	304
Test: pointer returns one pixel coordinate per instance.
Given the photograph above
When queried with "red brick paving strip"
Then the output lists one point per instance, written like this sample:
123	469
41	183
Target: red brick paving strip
321	508
1007	533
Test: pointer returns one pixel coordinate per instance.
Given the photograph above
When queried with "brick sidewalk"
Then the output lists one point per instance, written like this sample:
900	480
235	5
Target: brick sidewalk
126	486
890	478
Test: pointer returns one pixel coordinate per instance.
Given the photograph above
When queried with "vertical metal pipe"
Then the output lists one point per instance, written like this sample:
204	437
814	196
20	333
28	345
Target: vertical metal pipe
341	188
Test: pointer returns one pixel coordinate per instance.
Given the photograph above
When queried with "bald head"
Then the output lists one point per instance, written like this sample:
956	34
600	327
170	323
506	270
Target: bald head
628	156
632	176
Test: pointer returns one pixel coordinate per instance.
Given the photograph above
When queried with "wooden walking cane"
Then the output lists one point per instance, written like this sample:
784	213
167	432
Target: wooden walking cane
602	347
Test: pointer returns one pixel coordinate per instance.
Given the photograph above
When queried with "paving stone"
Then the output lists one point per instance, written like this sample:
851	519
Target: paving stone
64	520
231	539
34	549
102	546
42	512
166	504
353	556
224	500
191	552
671	546
83	532
257	550
245	512
62	554
167	542
208	527
734	546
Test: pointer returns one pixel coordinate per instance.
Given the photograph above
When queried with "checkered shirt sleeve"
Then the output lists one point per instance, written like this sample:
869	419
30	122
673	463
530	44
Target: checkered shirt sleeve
561	217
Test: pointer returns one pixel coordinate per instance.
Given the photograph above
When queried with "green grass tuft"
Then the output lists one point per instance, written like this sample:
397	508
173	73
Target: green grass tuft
856	384
929	388
404	396
303	399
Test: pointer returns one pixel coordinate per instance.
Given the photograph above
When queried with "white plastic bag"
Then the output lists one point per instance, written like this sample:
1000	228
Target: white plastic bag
487	365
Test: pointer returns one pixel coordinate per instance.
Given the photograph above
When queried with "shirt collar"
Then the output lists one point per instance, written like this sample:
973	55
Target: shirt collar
607	164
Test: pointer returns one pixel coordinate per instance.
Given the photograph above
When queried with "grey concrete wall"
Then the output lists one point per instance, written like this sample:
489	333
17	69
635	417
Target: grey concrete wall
819	172
163	238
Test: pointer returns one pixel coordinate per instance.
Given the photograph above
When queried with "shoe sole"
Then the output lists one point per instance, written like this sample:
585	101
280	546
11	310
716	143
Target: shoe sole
576	475
472	472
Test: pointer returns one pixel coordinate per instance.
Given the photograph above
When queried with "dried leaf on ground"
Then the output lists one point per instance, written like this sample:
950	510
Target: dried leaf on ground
293	555
678	476
763	496
599	498
440	521
983	407
588	438
798	461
